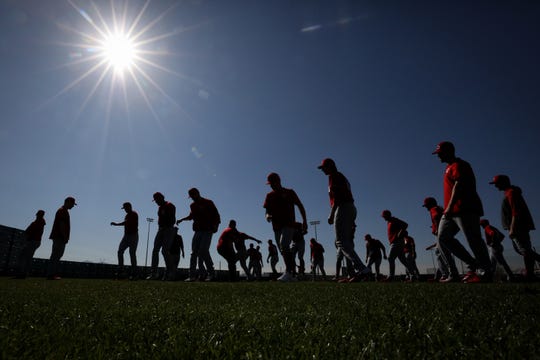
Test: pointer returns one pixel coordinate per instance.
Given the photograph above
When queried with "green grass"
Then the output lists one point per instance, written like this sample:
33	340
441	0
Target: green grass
95	319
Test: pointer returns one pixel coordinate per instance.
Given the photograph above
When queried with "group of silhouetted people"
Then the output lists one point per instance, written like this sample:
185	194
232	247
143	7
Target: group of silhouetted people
461	211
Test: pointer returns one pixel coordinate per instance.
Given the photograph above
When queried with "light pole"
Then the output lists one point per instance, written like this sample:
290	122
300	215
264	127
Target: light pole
147	240
315	223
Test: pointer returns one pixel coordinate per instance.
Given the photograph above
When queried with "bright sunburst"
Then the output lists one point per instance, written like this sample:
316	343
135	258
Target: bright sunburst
121	50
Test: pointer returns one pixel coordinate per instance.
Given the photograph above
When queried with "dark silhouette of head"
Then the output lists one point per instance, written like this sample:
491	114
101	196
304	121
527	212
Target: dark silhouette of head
386	215
159	198
274	181
484	223
69	202
429	203
445	151
194	194
501	182
328	166
232	224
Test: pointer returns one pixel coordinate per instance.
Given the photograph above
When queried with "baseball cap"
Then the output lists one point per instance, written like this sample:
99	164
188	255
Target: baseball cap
126	204
429	202
70	199
500	179
327	163
273	178
158	195
445	146
386	213
484	222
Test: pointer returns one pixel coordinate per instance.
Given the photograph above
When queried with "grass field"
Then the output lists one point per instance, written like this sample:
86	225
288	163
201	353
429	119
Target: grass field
98	319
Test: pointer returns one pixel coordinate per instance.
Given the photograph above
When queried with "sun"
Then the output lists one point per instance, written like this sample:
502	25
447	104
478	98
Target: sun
119	51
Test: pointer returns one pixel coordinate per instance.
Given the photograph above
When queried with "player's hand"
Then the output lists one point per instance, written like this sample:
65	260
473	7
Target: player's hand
112	224
331	220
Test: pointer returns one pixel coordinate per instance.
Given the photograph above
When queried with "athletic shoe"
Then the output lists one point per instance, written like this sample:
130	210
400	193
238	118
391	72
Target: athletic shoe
56	277
468	274
472	279
286	277
190	279
449	279
344	280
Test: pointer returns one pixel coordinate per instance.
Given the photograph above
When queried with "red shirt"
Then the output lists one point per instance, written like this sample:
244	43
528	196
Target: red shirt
317	251
205	215
34	231
408	246
493	236
436	213
61	225
514	205
280	205
131	223
227	239
339	189
467	200
166	215
394	226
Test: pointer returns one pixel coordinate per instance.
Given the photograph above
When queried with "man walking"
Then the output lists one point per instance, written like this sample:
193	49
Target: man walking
462	211
397	230
33	234
229	239
517	219
60	236
164	239
280	211
494	240
343	216
206	222
409	249
129	240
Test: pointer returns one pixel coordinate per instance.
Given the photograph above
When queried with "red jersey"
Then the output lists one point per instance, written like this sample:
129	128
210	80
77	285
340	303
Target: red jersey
131	223
317	251
61	225
467	200
280	205
436	213
227	239
408	245
34	231
166	215
339	189
205	215
514	205
394	226
493	236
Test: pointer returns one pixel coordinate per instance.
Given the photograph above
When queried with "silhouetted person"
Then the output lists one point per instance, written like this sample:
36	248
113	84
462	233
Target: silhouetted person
60	236
343	216
130	239
397	230
257	263
462	211
279	205
298	249
164	237
229	239
317	258
447	270
494	240
409	249
374	254
517	219
176	251
32	234
206	222
273	257
252	256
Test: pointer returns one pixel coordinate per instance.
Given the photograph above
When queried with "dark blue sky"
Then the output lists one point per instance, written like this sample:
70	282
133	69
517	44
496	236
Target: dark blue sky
244	88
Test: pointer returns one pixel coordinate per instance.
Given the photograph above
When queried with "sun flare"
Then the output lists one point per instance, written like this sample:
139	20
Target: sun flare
119	51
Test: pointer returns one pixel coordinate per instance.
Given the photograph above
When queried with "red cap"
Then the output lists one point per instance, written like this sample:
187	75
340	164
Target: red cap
500	179
429	202
445	146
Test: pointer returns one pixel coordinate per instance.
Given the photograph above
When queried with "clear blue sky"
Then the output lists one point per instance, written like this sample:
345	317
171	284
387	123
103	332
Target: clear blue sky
243	88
